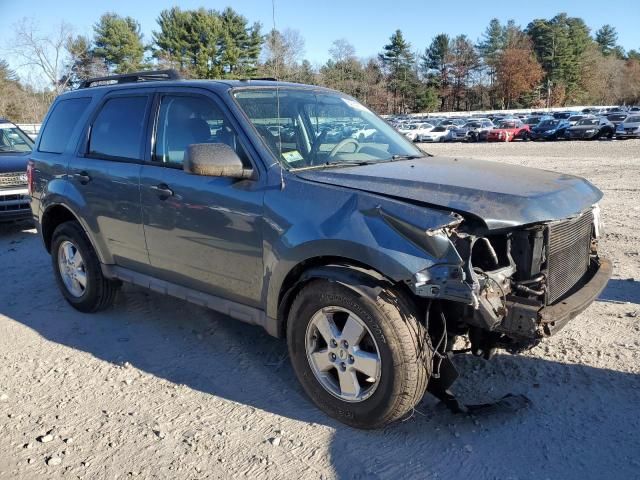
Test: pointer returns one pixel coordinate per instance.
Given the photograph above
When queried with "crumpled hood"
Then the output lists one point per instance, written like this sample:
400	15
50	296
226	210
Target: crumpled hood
500	194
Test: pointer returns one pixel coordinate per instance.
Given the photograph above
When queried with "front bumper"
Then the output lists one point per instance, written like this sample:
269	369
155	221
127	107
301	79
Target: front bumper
627	134
554	317
14	204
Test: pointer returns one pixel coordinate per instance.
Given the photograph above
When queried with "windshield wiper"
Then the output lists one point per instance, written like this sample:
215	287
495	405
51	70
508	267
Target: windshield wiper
345	163
410	157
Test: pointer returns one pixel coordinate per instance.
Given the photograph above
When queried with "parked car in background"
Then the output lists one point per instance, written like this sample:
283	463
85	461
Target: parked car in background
629	128
413	131
369	257
617	118
550	129
15	146
591	128
473	131
456	122
532	121
563	115
573	119
438	134
509	130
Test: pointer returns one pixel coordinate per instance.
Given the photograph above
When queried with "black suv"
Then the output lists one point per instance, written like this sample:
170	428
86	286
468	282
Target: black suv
15	145
369	256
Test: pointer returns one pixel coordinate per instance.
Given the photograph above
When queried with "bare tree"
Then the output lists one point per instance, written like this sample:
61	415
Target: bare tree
282	52
45	52
341	50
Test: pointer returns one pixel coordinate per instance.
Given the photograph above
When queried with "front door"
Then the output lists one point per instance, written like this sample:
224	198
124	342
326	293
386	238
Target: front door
202	232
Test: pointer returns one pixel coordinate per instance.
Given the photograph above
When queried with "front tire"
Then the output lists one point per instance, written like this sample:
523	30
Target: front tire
362	361
77	270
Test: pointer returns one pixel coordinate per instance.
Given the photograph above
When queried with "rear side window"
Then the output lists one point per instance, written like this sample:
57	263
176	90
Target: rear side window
60	125
118	130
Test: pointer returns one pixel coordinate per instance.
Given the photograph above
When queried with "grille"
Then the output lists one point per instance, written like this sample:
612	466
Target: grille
9	203
569	247
13	179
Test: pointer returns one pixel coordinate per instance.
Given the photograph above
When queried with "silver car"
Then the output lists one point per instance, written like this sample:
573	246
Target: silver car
629	128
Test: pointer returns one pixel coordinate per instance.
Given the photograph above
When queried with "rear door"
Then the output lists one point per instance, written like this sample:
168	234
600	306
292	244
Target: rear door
202	232
106	175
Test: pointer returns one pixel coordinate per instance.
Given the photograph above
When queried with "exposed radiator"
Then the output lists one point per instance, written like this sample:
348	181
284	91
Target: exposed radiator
568	254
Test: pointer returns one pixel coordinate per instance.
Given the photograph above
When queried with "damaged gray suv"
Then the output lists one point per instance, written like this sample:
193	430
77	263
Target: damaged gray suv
296	208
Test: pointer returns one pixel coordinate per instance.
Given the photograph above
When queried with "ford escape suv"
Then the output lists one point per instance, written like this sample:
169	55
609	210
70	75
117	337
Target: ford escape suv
15	145
256	199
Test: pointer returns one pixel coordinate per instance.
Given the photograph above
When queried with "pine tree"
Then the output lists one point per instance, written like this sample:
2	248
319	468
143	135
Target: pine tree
607	39
436	66
118	41
398	61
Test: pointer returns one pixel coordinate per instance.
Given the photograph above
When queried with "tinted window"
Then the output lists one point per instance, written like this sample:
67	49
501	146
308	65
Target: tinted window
118	129
61	122
185	120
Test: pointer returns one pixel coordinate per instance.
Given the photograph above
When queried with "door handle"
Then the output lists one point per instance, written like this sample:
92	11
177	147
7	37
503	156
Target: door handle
162	190
83	177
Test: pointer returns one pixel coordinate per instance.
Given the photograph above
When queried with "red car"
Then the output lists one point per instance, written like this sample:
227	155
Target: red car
509	130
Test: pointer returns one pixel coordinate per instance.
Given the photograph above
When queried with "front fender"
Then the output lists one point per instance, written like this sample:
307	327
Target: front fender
396	239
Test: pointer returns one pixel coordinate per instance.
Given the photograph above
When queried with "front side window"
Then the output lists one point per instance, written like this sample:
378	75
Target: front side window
309	128
14	140
186	120
63	119
118	130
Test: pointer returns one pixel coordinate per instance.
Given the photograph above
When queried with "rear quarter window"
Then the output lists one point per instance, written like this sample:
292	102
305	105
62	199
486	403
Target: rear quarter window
63	119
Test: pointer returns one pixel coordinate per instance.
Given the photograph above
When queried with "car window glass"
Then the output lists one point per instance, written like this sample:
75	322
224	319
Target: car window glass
186	120
60	125
118	130
13	140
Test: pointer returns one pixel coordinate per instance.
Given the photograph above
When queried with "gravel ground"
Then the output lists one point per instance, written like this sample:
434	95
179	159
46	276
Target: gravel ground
157	388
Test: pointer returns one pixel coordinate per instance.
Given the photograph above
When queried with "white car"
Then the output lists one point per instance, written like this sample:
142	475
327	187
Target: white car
414	130
438	134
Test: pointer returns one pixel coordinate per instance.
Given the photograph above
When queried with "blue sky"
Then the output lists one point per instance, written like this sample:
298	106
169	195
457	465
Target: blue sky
367	24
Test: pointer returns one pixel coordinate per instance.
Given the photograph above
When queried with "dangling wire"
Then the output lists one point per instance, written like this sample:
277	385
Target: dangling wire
273	34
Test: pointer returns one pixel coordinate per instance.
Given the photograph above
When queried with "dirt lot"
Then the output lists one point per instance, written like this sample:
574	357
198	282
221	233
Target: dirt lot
157	388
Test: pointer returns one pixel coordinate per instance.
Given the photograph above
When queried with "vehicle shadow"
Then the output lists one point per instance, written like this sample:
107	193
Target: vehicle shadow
576	410
621	290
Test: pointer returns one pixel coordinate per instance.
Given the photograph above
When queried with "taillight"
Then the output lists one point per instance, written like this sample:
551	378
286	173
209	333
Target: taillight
30	176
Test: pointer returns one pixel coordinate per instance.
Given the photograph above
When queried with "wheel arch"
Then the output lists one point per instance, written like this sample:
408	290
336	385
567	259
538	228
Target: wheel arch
357	276
55	215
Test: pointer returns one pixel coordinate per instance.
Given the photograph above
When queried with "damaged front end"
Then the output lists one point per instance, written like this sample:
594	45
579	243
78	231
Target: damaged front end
513	288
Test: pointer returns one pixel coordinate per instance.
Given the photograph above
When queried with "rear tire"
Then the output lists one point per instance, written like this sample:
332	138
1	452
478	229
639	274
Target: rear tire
77	270
393	333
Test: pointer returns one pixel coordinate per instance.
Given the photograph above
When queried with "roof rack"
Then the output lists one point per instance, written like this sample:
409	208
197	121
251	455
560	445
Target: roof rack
133	77
271	79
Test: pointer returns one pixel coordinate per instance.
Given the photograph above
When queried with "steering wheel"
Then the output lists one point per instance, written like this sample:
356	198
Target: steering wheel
345	141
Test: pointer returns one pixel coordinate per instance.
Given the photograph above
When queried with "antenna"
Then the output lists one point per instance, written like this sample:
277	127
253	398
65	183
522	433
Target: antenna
277	75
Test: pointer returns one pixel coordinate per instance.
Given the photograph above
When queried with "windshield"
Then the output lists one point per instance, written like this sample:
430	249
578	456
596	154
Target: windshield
575	118
320	128
13	140
634	119
509	124
588	121
548	123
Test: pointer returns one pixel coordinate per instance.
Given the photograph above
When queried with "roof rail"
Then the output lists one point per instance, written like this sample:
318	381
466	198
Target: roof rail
272	79
133	77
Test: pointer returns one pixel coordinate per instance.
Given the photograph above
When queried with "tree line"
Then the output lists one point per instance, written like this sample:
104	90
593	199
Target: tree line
549	62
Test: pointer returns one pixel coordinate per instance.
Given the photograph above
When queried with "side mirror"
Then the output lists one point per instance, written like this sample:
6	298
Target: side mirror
214	160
